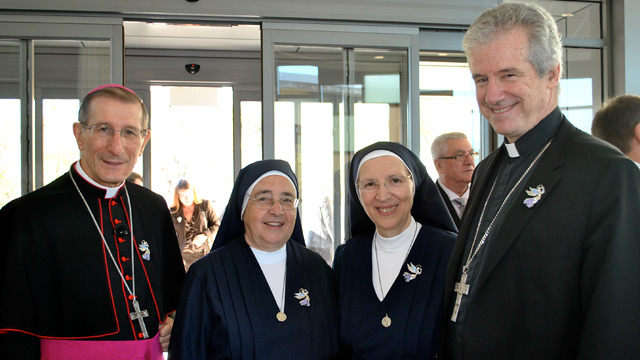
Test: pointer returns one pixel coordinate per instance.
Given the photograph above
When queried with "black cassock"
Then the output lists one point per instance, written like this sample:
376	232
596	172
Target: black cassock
227	310
415	307
57	279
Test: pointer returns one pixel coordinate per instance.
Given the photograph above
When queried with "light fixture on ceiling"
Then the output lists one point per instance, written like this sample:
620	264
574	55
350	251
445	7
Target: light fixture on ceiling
567	15
378	57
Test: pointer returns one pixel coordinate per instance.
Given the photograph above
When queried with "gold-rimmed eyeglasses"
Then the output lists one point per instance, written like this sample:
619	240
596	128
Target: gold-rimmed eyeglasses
461	156
130	135
266	202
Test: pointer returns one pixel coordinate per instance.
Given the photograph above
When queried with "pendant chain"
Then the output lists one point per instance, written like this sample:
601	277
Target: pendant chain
115	263
284	287
281	316
375	249
472	252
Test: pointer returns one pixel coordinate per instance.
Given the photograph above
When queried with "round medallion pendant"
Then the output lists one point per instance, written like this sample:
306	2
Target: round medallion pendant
386	321
282	316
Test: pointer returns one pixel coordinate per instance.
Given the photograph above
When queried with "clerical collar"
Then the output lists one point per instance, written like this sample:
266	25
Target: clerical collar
536	137
110	192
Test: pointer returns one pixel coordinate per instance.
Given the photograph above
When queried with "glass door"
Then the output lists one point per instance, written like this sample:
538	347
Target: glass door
50	64
328	102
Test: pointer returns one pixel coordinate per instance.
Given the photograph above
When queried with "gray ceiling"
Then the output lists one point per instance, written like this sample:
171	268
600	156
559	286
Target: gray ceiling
575	19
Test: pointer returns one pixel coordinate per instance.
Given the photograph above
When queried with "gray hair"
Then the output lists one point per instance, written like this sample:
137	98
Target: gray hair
439	146
545	45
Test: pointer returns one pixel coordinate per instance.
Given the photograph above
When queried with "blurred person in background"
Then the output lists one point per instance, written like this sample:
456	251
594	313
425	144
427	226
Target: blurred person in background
195	221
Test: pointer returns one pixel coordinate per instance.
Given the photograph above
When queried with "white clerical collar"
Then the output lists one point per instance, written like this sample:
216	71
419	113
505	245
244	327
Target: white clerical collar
266	257
452	195
638	165
512	150
110	191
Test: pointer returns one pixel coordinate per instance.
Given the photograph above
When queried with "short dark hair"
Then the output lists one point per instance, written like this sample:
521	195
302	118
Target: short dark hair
616	121
113	92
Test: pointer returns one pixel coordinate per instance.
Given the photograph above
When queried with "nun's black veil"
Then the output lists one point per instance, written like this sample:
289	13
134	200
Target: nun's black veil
232	227
428	205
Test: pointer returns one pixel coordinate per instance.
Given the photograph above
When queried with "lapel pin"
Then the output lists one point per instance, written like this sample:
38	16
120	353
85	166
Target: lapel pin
303	296
415	270
144	247
535	193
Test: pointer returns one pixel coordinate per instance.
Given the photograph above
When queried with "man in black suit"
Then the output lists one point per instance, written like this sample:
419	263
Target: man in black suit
547	259
454	159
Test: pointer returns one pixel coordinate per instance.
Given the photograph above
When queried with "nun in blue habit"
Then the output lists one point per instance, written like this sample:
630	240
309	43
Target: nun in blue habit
391	272
260	293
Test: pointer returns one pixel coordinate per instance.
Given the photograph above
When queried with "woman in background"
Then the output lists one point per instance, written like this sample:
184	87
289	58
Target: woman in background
195	221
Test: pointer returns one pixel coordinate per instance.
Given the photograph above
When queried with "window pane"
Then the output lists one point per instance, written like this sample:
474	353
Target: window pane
447	103
10	164
58	143
9	150
581	86
251	137
65	70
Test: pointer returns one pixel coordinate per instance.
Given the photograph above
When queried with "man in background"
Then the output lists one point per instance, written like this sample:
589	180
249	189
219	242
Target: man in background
454	159
618	123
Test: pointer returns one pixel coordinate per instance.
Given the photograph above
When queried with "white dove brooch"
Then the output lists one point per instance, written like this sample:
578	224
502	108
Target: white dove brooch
535	193
414	271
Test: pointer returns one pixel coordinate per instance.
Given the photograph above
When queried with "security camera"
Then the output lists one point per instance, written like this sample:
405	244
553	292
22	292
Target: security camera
192	68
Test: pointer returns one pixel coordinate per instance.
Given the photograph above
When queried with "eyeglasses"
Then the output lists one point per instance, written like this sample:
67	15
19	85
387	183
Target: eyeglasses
129	135
461	156
393	183
266	202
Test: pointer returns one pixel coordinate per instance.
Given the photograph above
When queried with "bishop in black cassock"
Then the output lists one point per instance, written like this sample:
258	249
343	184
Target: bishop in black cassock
414	306
57	279
227	310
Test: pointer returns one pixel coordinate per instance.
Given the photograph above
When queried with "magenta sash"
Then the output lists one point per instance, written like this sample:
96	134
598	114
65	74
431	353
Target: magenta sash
54	349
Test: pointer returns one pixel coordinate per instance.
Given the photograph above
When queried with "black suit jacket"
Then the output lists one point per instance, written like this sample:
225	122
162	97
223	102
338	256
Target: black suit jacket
450	206
560	281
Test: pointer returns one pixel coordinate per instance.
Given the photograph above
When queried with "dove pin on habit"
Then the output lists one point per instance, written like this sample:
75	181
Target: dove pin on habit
415	271
535	193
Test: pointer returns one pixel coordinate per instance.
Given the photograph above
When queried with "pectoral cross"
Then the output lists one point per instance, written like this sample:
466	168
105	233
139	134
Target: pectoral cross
462	288
138	315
